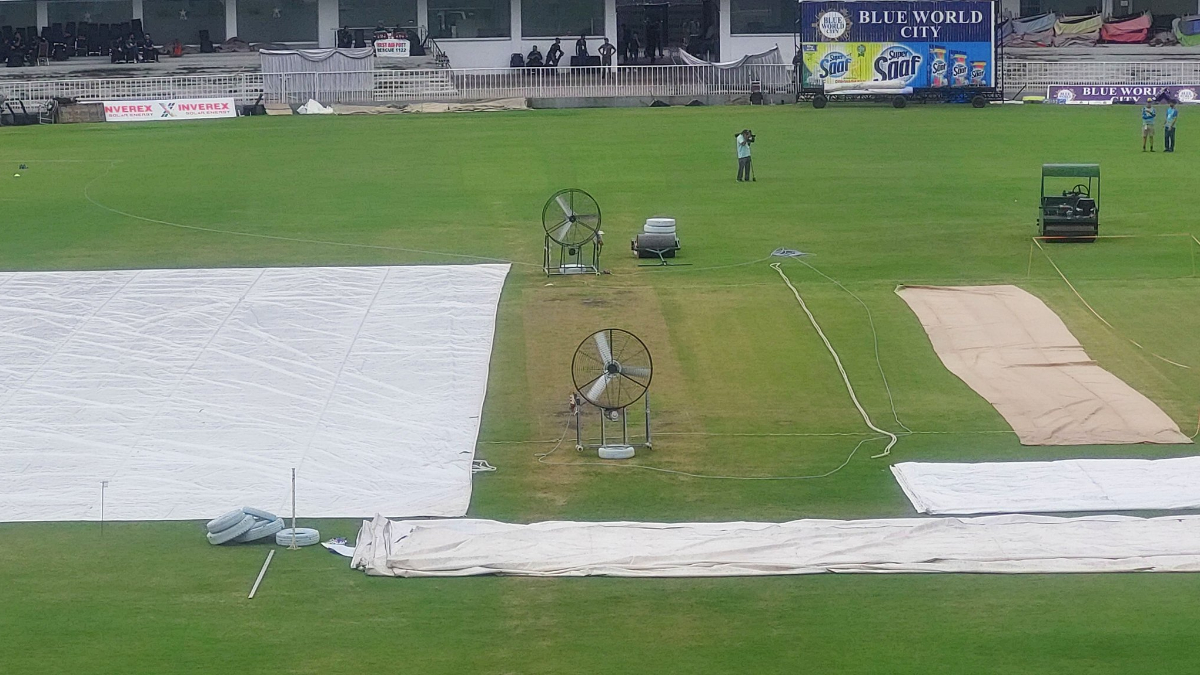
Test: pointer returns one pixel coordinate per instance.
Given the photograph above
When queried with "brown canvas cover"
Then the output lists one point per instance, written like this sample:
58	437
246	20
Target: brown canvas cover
1016	353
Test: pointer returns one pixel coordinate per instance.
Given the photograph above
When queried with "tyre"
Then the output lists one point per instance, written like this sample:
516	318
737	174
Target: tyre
230	534
899	102
978	102
225	522
259	513
819	101
260	530
305	536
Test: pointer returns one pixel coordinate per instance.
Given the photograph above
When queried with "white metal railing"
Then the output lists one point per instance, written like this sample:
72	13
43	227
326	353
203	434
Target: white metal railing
243	87
424	84
597	82
1033	74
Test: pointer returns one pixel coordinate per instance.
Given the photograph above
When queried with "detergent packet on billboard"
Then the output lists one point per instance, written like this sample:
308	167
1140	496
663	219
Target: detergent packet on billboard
959	76
937	66
979	73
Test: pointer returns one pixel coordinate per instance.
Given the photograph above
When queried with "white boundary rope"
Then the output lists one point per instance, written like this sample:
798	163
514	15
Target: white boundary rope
893	439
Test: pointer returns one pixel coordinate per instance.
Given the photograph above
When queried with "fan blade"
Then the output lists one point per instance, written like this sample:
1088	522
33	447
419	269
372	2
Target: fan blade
636	371
561	233
602	345
562	202
597	388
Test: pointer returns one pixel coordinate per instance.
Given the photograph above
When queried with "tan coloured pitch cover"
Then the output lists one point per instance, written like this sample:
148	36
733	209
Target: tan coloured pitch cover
1015	352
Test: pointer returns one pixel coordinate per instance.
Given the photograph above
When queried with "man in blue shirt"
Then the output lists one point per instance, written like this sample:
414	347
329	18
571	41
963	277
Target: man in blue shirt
1169	128
1148	116
743	154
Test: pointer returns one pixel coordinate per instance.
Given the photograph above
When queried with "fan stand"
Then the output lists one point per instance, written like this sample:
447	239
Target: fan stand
607	450
581	259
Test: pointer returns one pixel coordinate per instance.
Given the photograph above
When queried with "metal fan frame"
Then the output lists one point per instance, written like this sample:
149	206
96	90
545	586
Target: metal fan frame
609	414
611	368
572	219
562	254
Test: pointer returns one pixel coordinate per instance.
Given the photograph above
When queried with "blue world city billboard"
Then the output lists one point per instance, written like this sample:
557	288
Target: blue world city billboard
922	44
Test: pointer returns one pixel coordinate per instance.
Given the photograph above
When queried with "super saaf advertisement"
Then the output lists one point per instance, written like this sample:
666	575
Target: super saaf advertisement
921	44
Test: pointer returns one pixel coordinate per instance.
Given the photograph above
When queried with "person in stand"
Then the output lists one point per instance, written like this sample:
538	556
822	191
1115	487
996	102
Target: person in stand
149	52
1169	128
581	48
635	46
554	54
606	51
381	33
345	39
176	49
745	171
652	42
623	42
534	60
1148	116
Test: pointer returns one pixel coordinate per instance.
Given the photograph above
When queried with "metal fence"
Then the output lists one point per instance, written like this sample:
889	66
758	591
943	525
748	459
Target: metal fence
775	80
1040	74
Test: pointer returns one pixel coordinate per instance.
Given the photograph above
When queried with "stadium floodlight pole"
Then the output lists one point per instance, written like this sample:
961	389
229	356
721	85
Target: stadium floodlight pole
293	546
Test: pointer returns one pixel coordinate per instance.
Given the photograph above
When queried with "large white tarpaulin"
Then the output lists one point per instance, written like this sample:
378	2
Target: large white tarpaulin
1014	351
1070	485
192	392
993	544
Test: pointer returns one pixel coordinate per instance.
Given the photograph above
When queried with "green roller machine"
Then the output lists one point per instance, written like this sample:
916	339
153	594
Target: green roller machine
1074	213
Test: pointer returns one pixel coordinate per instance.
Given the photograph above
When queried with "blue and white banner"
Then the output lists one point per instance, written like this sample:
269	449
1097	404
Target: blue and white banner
920	44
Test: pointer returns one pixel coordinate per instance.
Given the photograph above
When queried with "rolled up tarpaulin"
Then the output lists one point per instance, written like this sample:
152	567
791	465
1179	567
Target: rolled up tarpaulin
1034	24
1077	25
881	86
1088	39
1042	39
1128	31
1184	39
876	92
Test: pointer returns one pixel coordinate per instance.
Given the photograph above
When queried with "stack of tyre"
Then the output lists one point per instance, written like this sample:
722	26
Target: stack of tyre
243	525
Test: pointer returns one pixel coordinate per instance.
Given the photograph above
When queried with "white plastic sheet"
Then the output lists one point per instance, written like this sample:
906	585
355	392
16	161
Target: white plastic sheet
195	391
1071	485
993	544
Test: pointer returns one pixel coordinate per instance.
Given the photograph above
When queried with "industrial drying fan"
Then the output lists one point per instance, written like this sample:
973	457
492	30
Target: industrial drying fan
611	371
571	219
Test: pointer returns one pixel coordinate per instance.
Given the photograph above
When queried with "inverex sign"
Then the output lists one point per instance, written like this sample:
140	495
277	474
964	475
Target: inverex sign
179	109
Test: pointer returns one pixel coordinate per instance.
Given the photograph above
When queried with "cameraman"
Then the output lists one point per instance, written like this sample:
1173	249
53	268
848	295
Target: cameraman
744	139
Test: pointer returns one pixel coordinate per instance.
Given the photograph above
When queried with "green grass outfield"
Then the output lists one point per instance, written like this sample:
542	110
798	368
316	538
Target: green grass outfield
878	196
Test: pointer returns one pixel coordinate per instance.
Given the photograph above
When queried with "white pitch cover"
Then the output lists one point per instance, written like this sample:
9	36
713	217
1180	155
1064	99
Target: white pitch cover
1063	486
192	392
1012	544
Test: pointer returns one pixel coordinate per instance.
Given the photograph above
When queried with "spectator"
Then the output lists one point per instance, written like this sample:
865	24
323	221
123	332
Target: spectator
1169	128
606	51
345	39
581	48
634	47
1148	116
149	52
554	54
652	42
534	60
